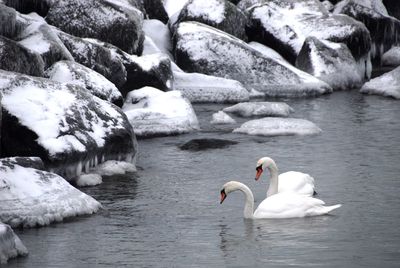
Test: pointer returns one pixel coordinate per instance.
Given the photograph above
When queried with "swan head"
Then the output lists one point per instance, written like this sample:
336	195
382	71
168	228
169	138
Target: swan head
262	164
227	188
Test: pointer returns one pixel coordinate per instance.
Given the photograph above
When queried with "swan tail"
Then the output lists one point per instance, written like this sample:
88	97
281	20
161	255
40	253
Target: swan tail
322	210
330	208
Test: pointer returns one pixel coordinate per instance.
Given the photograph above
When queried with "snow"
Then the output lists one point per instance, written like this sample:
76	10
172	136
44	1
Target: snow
221	118
174	6
77	74
206	88
153	112
159	34
391	57
10	244
30	197
269	52
211	10
149	47
274	126
88	180
387	85
248	109
113	167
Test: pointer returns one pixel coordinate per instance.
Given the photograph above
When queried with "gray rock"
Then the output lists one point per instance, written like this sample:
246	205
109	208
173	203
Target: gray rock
27	162
206	144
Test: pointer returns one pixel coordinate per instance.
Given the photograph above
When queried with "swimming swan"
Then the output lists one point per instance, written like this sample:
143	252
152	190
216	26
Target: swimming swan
292	181
280	205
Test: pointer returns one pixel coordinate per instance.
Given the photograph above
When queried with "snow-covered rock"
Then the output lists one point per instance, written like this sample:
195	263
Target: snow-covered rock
69	128
38	36
10	244
31	197
155	10
220	118
283	25
153	112
203	49
248	109
77	74
384	29
159	34
90	179
115	22
391	57
113	167
16	58
27	162
200	88
387	85
96	57
332	63
275	126
220	14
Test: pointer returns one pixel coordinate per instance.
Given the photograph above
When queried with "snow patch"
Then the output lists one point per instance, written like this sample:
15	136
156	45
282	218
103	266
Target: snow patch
211	10
88	180
113	167
174	6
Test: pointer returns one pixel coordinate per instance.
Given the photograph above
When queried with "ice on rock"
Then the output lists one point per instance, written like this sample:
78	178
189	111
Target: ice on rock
88	180
206	88
31	197
248	109
10	244
113	167
387	85
391	57
220	118
152	112
274	126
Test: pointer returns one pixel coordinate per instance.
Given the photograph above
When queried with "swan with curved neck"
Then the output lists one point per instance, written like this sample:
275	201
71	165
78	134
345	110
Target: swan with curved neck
292	181
281	205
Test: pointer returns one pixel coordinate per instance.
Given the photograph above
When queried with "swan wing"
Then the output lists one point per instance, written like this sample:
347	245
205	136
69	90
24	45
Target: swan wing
298	182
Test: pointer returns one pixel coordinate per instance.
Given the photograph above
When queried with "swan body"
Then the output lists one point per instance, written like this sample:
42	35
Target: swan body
280	205
292	181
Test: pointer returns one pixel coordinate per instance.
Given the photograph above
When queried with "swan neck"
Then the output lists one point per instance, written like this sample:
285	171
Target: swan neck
273	184
249	202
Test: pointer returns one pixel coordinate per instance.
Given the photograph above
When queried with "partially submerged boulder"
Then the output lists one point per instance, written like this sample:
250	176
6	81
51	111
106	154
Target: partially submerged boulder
10	244
77	74
66	126
333	63
391	57
156	113
31	197
203	49
221	118
249	109
206	144
220	14
114	22
387	85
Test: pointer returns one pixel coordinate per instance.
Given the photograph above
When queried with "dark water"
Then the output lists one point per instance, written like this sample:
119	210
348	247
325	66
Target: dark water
168	214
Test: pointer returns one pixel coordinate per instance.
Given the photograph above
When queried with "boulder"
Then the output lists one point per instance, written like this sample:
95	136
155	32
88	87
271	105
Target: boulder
16	58
115	22
203	49
10	244
63	124
384	29
96	57
156	113
221	118
31	197
77	74
27	162
220	14
332	63
249	109
283	25
9	23
155	10
39	37
391	57
387	85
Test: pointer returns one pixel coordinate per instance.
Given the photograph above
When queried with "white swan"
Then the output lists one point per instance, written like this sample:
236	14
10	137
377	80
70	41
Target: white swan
281	205
291	181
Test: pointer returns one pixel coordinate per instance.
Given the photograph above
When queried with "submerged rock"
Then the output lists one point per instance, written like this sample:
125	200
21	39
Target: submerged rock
387	85
220	14
115	22
206	144
77	74
10	244
203	49
31	197
200	88
248	109
274	126
220	118
283	25
154	113
332	63
69	128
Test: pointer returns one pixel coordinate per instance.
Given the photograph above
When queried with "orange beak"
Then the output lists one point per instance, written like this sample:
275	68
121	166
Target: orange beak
223	196
259	172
